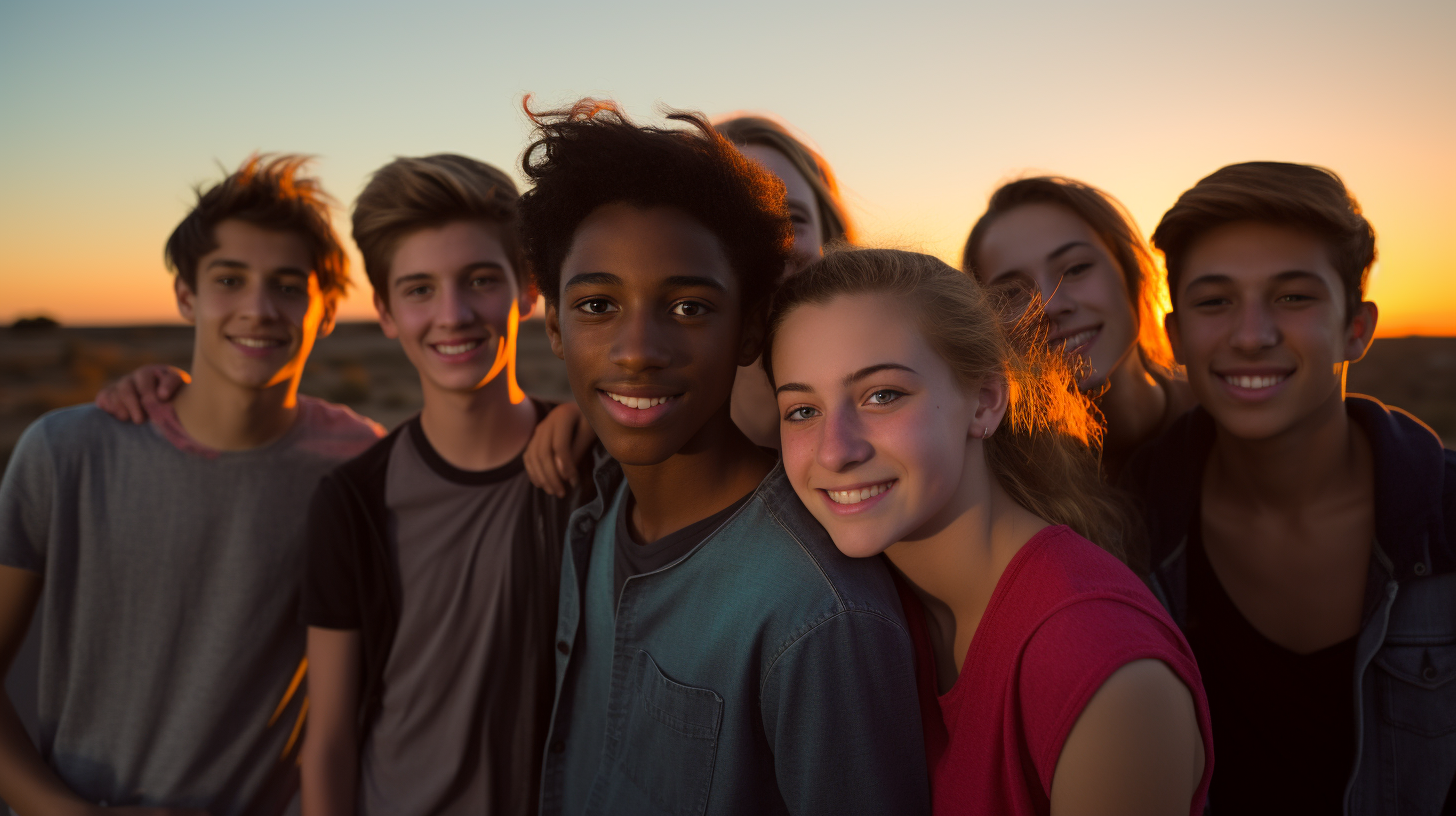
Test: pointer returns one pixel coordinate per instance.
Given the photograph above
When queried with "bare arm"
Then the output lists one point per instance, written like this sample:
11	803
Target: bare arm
1136	748
330	755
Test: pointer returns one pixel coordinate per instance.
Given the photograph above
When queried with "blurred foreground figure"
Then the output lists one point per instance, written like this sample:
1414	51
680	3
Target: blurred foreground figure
430	592
1302	537
165	556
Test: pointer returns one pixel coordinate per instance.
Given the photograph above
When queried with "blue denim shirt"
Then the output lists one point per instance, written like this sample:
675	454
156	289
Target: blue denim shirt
762	673
1405	654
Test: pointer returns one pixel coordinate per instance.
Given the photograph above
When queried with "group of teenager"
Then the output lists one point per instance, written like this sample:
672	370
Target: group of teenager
825	530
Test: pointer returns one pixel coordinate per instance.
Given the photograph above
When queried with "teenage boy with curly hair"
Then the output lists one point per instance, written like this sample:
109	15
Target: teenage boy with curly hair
715	652
1304	538
164	556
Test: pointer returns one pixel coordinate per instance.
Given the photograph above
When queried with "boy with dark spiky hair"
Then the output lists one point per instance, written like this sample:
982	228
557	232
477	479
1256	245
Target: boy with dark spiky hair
716	653
1304	538
430	590
165	556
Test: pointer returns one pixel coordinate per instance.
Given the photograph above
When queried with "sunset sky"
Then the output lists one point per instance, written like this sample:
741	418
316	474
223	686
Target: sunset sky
110	113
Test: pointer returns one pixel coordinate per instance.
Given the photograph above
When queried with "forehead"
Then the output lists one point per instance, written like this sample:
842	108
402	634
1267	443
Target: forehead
448	248
822	343
258	248
1028	234
644	246
796	186
1253	253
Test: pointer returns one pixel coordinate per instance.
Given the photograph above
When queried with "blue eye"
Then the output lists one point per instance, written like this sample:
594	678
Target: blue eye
885	396
800	414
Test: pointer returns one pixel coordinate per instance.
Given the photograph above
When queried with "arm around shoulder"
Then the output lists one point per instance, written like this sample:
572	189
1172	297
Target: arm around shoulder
842	717
1136	748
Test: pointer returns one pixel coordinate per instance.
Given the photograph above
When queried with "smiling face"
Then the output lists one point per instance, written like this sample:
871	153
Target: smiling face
650	325
1046	248
799	198
454	303
257	307
1259	320
877	431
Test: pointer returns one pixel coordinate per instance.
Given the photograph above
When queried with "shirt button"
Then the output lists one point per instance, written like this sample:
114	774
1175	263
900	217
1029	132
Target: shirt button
563	647
1429	673
558	746
1420	568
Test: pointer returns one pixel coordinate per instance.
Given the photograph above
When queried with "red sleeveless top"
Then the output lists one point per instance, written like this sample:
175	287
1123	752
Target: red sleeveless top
1064	616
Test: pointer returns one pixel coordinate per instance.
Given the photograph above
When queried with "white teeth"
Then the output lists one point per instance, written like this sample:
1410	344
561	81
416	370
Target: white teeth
1265	381
254	342
857	496
1076	340
640	403
458	348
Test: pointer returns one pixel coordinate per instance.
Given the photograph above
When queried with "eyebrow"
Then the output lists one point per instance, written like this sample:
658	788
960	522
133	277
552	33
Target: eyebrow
673	282
229	263
593	279
1064	248
851	379
1291	274
468	268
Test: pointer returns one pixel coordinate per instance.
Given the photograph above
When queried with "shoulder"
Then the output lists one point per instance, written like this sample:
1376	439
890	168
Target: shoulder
334	430
77	429
792	543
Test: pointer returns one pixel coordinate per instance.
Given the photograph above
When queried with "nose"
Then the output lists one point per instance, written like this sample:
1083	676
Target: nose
639	343
1056	298
258	303
1254	327
842	442
455	310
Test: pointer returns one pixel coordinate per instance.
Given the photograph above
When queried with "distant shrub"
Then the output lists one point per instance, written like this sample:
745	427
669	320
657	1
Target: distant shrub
36	323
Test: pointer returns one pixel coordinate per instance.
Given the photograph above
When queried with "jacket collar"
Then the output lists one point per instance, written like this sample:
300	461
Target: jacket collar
1410	483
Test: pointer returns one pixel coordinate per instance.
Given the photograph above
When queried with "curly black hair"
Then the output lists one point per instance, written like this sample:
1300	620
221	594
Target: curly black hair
591	155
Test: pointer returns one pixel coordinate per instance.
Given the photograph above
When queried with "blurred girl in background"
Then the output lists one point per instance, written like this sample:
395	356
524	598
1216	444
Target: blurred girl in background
1077	251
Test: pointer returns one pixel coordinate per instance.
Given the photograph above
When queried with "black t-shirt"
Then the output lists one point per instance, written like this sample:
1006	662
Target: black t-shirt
636	559
1283	723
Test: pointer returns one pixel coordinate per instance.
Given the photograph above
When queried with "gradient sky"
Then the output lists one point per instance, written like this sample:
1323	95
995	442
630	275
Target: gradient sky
110	112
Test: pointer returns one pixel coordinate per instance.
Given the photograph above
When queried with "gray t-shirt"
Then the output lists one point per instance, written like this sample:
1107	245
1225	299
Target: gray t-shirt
170	653
450	737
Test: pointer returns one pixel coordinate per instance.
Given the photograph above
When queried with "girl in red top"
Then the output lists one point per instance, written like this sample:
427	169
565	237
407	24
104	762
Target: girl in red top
1052	681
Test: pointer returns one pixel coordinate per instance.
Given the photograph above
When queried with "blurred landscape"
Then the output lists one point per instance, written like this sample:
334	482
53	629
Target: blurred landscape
44	366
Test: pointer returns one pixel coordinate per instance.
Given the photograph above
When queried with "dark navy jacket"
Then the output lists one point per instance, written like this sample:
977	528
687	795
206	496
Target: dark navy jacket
1405	658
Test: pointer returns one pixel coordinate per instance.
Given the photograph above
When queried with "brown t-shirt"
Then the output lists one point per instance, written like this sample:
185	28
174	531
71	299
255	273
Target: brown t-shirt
455	733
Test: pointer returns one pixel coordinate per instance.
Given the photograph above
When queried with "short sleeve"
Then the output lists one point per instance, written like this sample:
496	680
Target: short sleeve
1073	653
26	498
331	566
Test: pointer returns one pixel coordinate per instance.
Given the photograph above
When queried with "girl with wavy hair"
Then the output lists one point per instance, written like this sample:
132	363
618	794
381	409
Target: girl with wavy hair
1078	253
920	424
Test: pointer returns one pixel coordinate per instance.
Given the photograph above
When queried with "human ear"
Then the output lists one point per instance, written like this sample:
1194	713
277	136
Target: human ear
186	300
992	397
386	320
1361	331
528	299
1170	326
751	341
553	330
326	325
